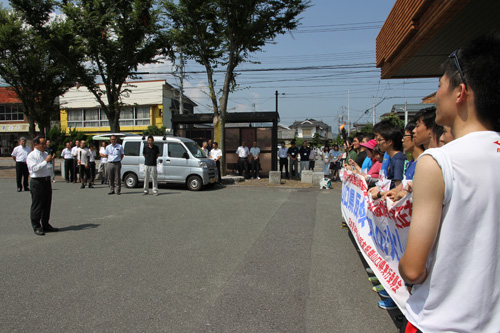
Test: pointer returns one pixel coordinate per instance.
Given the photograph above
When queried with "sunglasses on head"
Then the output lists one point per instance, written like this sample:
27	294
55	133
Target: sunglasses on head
454	56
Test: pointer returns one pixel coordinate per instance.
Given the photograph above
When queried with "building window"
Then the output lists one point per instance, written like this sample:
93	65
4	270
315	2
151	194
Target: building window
306	132
11	113
131	116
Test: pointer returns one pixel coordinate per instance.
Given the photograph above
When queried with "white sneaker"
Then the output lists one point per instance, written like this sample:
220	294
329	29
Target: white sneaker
258	177
145	193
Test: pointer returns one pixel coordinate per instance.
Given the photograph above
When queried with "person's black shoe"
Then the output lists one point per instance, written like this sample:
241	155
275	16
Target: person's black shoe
82	186
111	192
117	193
39	232
50	229
91	186
27	189
67	181
19	189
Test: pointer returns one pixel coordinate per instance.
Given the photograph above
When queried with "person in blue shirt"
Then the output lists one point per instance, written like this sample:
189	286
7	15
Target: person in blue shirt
389	140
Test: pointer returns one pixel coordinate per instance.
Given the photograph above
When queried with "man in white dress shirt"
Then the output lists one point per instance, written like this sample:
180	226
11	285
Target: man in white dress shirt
75	159
216	154
114	154
243	153
39	167
19	154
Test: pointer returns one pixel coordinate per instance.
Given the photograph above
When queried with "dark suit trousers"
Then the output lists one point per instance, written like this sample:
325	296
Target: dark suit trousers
22	172
284	163
41	200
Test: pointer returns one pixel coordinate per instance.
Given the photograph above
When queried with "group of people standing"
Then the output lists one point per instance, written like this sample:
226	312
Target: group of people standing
79	163
289	157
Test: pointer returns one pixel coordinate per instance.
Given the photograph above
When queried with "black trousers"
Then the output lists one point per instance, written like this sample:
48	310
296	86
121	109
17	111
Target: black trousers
243	164
75	169
311	165
84	173
69	173
22	175
255	167
284	163
41	200
92	171
218	171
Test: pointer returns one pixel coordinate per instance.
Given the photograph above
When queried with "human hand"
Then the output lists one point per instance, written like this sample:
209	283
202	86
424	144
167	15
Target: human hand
49	158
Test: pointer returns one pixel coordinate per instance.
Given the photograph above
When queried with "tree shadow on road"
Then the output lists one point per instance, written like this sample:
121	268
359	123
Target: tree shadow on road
79	227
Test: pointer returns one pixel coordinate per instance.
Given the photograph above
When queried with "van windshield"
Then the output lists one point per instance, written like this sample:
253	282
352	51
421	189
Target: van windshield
195	150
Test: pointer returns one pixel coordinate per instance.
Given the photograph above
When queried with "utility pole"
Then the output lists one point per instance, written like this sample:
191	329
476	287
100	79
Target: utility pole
348	112
406	114
373	110
181	84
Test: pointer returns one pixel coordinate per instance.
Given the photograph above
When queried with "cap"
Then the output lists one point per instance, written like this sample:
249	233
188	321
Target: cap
370	144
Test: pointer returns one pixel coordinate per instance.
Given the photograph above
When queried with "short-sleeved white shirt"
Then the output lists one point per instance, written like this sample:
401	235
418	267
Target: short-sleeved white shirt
21	153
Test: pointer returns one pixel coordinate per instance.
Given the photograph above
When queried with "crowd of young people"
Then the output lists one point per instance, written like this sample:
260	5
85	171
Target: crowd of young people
451	263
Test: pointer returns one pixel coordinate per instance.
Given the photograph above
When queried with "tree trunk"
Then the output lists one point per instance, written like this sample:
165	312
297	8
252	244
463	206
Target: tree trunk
32	126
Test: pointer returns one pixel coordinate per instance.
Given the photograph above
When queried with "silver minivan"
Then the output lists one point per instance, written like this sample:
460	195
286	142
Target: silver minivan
181	160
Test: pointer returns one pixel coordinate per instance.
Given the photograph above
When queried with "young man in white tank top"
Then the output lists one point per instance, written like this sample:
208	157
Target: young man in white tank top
452	258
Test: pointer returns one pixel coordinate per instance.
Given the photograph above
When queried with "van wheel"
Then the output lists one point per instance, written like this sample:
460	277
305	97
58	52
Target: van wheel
131	180
194	183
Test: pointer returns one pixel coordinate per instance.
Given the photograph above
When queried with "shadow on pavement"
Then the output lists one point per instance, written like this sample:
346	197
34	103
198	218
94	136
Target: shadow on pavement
79	227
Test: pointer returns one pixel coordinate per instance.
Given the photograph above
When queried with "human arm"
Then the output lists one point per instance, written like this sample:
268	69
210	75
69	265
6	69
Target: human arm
428	195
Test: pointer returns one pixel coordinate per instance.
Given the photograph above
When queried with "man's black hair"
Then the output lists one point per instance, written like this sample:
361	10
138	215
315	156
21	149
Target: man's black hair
150	137
359	136
368	136
37	138
389	131
438	130
427	116
410	126
479	61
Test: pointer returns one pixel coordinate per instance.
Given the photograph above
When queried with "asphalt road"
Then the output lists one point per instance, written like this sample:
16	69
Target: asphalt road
233	259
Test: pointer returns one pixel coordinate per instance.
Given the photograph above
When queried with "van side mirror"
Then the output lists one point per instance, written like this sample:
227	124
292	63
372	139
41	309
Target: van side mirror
185	155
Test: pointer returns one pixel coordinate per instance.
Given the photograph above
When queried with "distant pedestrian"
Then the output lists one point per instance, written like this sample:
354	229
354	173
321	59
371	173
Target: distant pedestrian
312	157
51	151
114	154
209	146
326	158
293	154
151	152
20	154
75	160
103	169
92	155
41	187
68	163
204	147
83	157
304	152
243	153
283	156
216	155
255	160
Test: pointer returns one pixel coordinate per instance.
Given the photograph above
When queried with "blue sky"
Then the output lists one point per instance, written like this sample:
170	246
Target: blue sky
338	34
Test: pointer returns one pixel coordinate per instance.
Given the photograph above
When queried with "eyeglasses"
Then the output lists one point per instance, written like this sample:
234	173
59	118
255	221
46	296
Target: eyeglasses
454	55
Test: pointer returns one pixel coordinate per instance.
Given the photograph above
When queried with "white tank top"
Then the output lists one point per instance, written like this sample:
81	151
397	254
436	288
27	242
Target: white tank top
462	290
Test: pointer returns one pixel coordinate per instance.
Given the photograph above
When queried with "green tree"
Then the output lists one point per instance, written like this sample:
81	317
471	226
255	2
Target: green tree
223	33
316	140
154	130
395	120
32	68
108	40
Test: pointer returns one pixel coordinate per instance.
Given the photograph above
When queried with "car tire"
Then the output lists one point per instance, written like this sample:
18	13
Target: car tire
130	180
194	183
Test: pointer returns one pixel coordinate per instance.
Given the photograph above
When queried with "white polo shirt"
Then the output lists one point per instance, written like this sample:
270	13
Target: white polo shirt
21	153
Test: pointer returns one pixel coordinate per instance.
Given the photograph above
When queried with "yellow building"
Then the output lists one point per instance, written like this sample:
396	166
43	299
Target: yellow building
148	103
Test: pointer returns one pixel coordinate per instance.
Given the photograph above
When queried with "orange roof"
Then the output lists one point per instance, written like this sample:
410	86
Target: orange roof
8	96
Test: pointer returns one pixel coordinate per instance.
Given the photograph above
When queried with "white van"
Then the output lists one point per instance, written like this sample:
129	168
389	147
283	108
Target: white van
181	160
